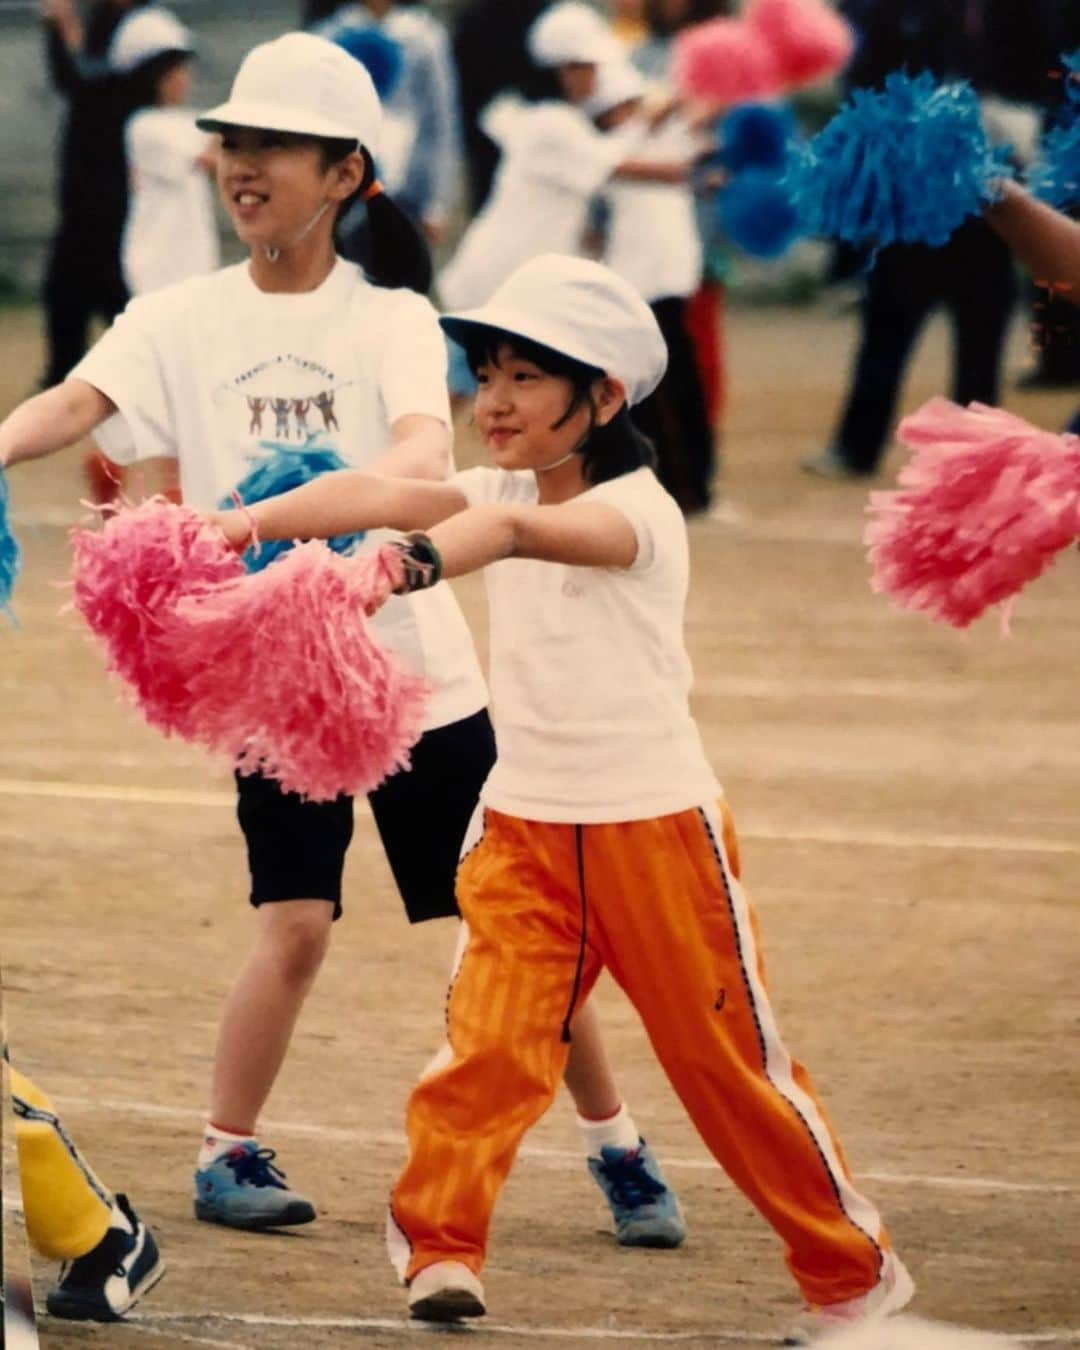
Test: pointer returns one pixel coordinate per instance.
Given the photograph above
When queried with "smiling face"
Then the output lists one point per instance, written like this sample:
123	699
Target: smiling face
273	184
521	412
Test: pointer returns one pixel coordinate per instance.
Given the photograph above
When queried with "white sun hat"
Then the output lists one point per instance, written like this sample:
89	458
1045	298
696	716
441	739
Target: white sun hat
570	33
580	309
303	84
617	82
144	34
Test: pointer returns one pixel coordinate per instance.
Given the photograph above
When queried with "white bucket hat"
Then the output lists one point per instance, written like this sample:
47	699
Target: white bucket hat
144	34
570	33
617	83
580	309
303	84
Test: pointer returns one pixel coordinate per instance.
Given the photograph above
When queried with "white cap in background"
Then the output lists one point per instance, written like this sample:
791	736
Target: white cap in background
303	84
572	33
144	34
617	82
580	309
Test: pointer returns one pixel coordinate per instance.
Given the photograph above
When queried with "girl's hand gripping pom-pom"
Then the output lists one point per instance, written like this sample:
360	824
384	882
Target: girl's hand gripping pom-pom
286	675
984	505
10	556
128	578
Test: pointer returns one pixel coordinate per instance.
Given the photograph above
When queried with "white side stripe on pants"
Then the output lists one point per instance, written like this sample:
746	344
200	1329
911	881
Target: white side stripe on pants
775	1055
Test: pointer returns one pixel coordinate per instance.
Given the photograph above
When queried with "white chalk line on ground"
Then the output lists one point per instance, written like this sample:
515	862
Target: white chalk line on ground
558	1159
135	793
714	1334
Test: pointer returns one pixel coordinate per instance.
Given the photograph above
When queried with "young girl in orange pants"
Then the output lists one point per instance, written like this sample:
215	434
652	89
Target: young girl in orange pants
603	839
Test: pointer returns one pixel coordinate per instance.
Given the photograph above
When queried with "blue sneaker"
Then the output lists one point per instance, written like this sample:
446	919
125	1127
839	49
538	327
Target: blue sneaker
109	1280
242	1189
646	1210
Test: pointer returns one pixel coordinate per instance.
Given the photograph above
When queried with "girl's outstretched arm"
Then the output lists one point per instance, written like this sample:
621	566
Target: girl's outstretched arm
53	420
1045	241
585	534
343	502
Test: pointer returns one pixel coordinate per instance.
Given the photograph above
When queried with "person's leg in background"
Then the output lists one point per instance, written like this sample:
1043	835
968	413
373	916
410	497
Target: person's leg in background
901	290
981	288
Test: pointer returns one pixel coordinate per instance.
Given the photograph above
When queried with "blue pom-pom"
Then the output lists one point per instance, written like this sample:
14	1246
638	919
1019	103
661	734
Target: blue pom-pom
756	136
905	164
10	557
756	214
1055	178
279	470
381	56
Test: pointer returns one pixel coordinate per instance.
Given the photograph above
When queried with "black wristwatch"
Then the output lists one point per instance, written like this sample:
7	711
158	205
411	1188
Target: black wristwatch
421	560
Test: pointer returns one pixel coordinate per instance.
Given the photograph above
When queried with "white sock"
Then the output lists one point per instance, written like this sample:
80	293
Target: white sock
217	1142
618	1131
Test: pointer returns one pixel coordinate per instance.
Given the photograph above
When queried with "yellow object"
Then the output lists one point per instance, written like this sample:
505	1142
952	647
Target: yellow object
67	1208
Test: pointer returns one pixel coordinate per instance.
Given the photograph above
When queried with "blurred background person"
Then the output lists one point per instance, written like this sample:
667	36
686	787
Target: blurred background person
704	309
83	278
992	44
628	21
490	56
170	232
420	158
652	241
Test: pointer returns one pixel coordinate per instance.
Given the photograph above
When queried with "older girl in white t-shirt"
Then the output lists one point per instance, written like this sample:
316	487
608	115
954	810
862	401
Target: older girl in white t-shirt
603	840
298	348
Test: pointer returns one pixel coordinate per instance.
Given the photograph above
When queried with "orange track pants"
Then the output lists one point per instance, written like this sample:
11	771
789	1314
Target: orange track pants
658	902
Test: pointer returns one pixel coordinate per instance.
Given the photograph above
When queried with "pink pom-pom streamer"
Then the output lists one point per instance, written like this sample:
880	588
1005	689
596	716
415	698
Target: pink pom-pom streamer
128	578
808	39
724	61
286	675
984	505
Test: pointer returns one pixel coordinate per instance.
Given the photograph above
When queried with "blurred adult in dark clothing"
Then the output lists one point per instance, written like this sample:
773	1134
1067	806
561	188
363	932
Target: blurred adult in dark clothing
1005	48
490	54
83	276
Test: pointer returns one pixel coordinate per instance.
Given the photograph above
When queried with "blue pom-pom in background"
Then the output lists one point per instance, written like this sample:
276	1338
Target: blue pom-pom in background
10	557
381	56
908	163
756	213
280	470
756	136
1055	177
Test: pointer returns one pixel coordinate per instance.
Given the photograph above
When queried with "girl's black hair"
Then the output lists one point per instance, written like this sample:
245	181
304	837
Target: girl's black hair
146	76
385	240
607	451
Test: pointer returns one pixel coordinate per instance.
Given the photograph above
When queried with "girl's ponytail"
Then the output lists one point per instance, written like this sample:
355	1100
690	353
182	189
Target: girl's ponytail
383	239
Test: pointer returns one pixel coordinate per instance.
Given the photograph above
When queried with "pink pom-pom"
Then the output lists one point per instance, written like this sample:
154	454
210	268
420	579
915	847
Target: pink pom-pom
724	61
808	39
128	578
984	505
287	677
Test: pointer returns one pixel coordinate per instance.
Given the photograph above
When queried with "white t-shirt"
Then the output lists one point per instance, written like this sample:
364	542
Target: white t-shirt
589	672
653	240
553	161
170	232
215	372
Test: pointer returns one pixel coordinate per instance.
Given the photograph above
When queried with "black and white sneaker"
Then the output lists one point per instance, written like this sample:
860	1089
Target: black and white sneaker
102	1285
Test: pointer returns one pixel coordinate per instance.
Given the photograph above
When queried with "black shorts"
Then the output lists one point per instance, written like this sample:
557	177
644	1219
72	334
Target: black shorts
296	849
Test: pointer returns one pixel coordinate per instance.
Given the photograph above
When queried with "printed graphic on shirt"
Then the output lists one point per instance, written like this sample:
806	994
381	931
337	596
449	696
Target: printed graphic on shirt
290	398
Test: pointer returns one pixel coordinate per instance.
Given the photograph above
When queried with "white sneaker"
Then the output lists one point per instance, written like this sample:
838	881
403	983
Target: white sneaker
892	1292
446	1292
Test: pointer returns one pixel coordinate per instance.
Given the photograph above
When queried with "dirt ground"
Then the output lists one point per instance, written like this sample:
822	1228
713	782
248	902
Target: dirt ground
907	797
